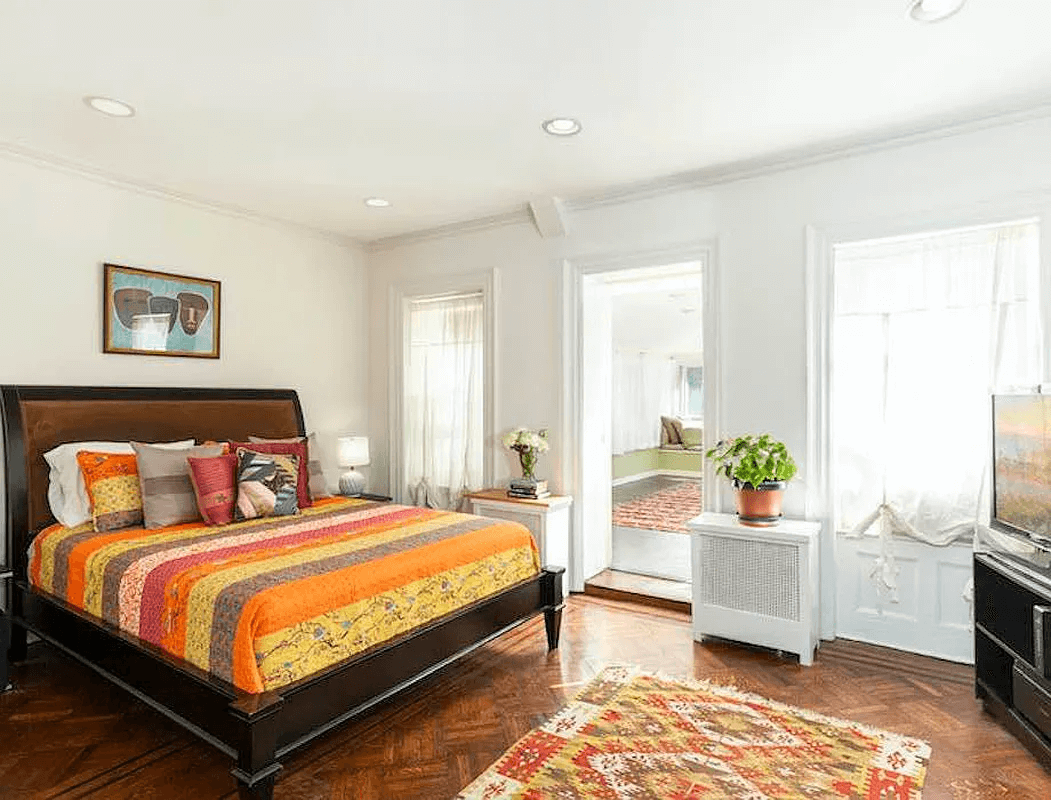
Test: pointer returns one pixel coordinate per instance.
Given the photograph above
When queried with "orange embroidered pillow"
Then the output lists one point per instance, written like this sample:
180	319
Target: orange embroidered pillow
112	481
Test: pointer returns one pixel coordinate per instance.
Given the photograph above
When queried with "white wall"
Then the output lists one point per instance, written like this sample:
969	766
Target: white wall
760	228
293	310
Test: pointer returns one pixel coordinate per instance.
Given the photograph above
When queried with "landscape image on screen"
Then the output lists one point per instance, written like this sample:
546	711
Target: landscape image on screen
1022	462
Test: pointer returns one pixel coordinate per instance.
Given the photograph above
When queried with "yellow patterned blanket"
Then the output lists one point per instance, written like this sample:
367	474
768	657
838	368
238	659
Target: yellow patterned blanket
266	602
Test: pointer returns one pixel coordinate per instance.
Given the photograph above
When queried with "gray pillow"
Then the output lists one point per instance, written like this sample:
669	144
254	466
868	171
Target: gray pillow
164	481
318	487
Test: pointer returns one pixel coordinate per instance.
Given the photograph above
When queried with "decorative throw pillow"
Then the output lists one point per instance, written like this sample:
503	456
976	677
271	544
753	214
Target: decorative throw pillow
215	487
112	484
267	484
164	480
676	425
315	474
297	448
671	435
67	494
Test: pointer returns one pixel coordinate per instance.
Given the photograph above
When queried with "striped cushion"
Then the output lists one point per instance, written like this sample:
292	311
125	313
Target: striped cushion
316	475
164	480
215	486
112	483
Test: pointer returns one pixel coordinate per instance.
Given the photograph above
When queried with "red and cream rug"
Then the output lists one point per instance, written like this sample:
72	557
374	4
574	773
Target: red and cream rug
663	510
631	735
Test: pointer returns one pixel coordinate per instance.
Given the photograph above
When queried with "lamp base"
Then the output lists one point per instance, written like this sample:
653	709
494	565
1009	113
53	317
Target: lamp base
351	483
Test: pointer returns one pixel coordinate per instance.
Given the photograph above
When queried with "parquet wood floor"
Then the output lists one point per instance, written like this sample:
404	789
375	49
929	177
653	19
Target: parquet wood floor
66	733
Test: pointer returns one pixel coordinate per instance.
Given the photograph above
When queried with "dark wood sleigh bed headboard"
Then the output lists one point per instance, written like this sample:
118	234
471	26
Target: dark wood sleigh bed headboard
37	418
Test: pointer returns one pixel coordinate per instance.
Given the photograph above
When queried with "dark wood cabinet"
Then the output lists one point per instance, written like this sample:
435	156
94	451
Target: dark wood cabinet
1012	646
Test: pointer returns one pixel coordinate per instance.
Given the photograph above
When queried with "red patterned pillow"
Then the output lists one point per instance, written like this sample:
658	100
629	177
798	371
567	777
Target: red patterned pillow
298	449
215	485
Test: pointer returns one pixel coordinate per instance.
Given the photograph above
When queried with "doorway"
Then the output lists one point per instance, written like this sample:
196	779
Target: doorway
642	393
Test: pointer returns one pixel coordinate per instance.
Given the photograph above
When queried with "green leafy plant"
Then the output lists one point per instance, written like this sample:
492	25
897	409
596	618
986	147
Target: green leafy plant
753	460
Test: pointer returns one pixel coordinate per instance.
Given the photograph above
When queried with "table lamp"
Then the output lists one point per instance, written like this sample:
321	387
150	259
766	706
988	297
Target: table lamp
353	452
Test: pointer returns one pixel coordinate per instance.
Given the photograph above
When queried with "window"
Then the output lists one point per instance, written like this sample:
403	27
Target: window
691	392
925	330
443	404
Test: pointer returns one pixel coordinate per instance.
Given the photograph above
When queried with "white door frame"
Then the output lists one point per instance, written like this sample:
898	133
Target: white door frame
573	272
820	300
483	281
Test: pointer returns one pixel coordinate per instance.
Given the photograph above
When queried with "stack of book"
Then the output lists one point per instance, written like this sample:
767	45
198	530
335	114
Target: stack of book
528	489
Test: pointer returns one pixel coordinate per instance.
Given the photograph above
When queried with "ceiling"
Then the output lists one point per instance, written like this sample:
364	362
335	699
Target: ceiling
658	310
299	109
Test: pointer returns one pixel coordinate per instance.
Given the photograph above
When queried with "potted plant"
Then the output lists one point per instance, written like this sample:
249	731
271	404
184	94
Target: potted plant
760	467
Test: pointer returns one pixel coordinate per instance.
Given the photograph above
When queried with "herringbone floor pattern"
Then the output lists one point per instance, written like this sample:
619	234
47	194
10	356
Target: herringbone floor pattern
65	733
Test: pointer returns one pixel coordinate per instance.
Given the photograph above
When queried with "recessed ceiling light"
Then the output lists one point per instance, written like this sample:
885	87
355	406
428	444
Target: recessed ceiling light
933	10
377	202
562	126
110	107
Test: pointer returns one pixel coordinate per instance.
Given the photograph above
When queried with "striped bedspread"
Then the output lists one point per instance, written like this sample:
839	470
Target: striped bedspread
266	602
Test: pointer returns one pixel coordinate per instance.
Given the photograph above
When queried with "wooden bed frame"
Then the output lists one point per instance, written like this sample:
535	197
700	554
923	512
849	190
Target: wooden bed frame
257	730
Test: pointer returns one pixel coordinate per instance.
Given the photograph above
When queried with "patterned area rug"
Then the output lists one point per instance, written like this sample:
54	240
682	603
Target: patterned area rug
631	735
664	510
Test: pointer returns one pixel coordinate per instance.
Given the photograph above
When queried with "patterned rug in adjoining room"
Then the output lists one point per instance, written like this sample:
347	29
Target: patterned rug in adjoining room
663	510
631	735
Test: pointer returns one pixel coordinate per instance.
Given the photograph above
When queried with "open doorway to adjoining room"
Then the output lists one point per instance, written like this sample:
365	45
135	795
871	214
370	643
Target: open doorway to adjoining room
644	361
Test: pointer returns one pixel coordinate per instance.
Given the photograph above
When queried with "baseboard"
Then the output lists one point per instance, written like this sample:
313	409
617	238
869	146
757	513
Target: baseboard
654	473
650	473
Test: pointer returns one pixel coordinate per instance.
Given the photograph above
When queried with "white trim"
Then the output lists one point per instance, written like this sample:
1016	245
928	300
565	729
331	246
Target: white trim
820	243
639	476
510	217
487	283
573	272
13	152
817	503
680	473
743	169
809	155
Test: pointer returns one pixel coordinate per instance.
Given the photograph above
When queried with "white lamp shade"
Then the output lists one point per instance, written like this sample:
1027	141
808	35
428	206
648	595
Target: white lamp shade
353	451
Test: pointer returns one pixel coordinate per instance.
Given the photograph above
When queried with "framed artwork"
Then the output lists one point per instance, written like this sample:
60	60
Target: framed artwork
159	314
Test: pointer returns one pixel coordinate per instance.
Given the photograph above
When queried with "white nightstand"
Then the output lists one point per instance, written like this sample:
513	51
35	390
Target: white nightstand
756	585
547	520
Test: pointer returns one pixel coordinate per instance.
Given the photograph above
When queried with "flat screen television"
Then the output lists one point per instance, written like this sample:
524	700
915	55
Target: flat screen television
1022	466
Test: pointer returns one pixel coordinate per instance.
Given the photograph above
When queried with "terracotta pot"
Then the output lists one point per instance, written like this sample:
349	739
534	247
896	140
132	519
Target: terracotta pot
759	507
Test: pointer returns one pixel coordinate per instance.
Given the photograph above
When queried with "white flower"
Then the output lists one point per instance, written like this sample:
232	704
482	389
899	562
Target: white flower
524	438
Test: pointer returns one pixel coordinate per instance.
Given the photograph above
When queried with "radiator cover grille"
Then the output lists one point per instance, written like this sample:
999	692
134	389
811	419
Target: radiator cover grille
759	577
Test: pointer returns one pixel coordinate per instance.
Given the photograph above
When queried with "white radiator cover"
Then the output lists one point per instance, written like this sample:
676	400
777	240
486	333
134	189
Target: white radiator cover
756	585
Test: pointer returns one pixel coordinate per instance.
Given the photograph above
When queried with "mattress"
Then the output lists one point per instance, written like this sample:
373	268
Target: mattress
264	603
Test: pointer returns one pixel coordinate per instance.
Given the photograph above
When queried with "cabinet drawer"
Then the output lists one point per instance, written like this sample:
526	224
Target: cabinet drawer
1032	701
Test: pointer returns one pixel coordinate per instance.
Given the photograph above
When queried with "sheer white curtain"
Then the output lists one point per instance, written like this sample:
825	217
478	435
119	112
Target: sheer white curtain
925	331
443	412
644	388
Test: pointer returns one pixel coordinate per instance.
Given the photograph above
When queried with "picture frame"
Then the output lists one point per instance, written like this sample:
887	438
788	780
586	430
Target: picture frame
150	313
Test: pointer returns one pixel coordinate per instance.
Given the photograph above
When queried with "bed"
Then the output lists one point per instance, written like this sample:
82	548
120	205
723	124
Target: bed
255	724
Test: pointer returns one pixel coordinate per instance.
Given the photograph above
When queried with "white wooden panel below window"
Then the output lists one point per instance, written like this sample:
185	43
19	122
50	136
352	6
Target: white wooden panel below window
931	616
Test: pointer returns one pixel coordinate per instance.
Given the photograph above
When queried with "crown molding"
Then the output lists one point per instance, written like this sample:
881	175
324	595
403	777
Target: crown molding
818	153
730	172
14	152
514	216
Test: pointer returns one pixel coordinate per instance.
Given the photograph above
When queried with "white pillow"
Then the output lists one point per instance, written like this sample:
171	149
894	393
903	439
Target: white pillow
66	492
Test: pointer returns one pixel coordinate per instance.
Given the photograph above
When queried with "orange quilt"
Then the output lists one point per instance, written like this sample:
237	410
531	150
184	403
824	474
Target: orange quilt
266	602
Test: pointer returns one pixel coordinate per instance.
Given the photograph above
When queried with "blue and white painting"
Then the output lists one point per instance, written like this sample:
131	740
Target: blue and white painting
159	313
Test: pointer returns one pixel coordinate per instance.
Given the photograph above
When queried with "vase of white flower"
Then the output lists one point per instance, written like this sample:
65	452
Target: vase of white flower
528	444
